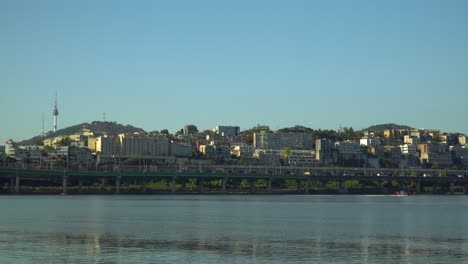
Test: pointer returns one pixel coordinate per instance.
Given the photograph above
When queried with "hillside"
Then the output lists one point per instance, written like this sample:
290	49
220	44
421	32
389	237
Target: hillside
95	126
383	127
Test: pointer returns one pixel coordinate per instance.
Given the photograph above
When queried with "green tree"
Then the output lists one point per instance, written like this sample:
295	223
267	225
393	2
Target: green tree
241	162
287	153
66	141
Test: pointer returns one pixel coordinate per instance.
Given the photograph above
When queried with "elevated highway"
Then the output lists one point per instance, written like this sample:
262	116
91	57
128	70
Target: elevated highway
229	177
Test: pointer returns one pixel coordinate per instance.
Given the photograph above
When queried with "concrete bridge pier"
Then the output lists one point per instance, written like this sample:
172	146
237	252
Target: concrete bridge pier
252	186
117	184
64	183
144	183
306	187
382	186
401	184
434	187
201	185
269	185
17	183
80	184
223	186
12	183
298	185
418	186
452	187
173	184
465	188
342	187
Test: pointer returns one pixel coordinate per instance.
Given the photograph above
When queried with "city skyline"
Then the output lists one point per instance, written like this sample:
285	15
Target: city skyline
164	65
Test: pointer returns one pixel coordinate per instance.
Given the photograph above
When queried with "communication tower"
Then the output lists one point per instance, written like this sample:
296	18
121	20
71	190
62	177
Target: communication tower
42	129
56	112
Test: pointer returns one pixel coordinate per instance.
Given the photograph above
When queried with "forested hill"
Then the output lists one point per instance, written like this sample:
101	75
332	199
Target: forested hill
95	126
383	127
295	129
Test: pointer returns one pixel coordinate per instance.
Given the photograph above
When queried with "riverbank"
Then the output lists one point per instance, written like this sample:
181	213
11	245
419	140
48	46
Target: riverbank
132	191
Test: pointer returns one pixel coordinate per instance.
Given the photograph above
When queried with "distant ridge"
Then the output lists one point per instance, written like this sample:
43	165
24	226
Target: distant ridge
382	127
95	126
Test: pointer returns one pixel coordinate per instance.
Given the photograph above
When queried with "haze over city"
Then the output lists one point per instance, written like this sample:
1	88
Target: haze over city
159	65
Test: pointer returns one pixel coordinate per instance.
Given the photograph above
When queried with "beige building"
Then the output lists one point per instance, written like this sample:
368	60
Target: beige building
107	145
462	139
415	133
53	142
143	145
412	140
92	142
242	150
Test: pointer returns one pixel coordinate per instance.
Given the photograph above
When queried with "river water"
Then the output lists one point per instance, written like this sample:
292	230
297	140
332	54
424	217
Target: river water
233	229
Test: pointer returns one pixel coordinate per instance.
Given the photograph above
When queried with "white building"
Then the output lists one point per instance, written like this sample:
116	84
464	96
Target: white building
369	142
408	149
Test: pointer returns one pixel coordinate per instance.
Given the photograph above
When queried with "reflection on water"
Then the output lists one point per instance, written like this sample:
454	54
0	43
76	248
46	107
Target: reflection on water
85	248
265	230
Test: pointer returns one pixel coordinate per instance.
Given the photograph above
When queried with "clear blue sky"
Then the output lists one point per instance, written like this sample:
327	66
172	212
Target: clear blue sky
165	64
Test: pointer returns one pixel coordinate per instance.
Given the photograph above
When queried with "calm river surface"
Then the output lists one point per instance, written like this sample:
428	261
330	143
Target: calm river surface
233	229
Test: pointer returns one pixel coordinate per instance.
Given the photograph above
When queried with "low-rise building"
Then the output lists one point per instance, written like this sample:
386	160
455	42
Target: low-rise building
215	151
143	145
377	151
180	149
302	157
189	130
107	146
10	148
264	140
370	142
71	155
227	131
411	140
242	150
207	150
462	139
409	149
325	151
460	154
349	150
415	133
268	156
435	154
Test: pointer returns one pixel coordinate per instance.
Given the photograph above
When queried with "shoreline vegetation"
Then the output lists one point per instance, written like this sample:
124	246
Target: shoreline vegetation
108	190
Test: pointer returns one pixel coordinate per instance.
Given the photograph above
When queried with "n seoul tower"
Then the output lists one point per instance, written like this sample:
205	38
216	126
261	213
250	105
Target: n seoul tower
55	113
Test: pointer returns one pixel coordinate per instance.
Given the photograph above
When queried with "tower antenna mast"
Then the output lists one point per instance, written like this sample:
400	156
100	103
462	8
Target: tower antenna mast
42	129
55	113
